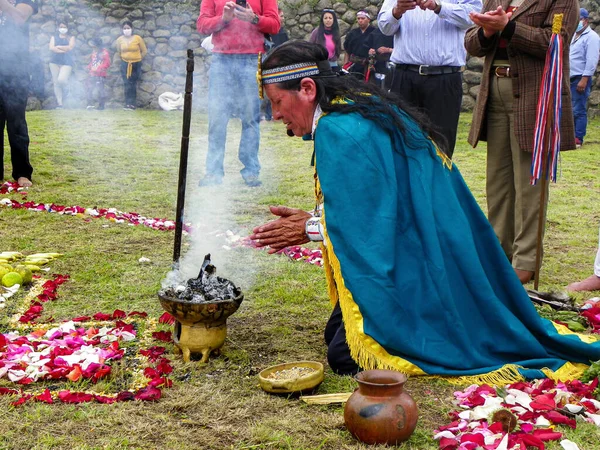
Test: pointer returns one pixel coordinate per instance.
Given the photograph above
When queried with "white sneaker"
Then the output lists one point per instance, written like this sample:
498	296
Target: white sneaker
90	107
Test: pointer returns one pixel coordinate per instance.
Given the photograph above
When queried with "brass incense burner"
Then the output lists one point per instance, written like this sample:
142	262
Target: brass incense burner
201	322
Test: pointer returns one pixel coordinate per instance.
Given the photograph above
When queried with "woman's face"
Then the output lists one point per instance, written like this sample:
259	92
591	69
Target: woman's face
328	20
62	28
127	30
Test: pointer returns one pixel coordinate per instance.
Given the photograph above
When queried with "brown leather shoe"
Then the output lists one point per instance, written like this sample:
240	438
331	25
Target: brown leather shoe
525	276
591	283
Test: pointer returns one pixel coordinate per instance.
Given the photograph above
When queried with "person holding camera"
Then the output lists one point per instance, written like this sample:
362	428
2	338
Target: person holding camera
429	54
238	34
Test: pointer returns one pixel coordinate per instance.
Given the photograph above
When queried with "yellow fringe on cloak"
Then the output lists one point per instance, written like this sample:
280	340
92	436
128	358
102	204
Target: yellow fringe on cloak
369	354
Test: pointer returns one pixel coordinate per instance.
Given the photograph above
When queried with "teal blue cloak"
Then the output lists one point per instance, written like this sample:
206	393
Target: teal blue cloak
422	281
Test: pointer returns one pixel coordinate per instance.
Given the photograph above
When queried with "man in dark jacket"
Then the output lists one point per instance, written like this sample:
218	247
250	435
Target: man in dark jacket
357	54
14	85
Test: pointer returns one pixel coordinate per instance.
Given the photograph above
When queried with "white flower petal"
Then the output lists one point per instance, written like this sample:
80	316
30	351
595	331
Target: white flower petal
594	418
568	445
446	434
542	422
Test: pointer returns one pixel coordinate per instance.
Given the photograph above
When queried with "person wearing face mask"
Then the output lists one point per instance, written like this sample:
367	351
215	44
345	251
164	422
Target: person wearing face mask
328	35
356	59
132	49
583	59
61	61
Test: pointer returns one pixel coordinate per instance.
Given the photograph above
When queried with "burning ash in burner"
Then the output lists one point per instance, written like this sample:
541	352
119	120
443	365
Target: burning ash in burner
206	288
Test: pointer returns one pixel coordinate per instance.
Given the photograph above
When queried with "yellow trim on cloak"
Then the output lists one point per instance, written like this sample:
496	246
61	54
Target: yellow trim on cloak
587	338
369	354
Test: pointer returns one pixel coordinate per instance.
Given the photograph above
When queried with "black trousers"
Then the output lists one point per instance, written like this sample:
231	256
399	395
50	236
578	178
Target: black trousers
437	96
338	353
13	102
130	84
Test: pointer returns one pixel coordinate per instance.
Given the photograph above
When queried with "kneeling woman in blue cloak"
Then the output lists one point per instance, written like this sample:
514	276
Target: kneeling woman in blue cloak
417	278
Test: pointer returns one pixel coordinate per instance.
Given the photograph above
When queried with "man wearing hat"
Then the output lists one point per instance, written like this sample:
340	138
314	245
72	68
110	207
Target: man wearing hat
357	52
583	59
428	54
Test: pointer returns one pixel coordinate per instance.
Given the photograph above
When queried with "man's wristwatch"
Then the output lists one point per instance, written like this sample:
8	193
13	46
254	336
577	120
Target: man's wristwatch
254	20
438	6
314	229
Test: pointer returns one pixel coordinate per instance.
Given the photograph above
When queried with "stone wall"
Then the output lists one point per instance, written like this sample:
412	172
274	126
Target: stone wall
169	28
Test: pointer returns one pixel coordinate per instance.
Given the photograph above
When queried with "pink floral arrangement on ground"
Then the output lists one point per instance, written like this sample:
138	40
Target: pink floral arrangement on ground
519	416
72	352
311	256
111	214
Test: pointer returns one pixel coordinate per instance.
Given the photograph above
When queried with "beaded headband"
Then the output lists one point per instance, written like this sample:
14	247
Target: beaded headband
287	73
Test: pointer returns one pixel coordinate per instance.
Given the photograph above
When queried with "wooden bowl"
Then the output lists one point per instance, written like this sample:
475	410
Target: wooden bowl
303	383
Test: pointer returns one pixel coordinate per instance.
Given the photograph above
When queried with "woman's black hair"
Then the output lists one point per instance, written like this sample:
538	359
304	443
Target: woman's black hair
127	22
335	32
369	100
62	19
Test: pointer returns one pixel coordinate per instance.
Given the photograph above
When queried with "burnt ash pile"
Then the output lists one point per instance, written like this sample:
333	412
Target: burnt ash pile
207	288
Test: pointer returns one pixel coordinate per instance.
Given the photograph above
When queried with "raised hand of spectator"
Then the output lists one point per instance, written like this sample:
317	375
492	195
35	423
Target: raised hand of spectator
246	14
228	11
402	6
492	21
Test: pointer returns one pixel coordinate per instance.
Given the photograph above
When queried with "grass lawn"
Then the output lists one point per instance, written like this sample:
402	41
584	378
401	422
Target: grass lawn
129	161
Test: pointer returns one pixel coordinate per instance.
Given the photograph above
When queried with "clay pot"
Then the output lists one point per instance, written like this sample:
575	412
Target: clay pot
379	412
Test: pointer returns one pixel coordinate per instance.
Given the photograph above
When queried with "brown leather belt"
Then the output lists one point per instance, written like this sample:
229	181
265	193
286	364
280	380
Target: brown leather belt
502	72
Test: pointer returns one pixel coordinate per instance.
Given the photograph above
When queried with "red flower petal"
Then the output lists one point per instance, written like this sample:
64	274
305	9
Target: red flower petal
543	403
125	396
104	399
22	400
546	434
166	318
164	336
74	397
81	319
102	316
532	441
153	353
164	367
496	427
7	391
149	393
476	438
45	397
160	382
150	372
118	314
448	444
558	418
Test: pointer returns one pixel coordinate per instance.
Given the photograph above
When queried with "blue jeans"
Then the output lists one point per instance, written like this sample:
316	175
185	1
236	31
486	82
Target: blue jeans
579	100
232	90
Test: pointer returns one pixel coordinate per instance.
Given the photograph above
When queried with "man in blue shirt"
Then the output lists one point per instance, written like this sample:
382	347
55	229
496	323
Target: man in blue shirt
583	58
429	53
